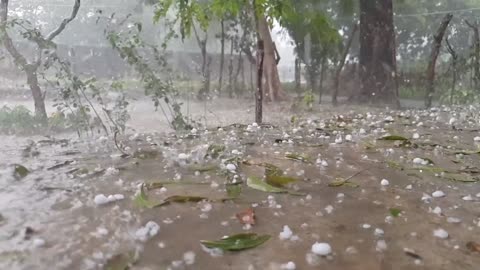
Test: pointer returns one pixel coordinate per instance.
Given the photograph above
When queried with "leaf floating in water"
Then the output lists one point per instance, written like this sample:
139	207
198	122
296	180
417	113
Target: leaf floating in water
121	261
234	190
460	177
298	157
247	216
395	212
20	171
271	169
279	181
340	182
206	168
393	138
258	184
141	199
473	246
237	242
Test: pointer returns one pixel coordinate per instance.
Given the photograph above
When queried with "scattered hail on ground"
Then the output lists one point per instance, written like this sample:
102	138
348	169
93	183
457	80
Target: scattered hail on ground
341	189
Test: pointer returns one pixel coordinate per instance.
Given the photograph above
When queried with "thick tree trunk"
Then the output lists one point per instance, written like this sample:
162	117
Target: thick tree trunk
341	64
377	53
476	49
38	97
274	90
222	55
430	75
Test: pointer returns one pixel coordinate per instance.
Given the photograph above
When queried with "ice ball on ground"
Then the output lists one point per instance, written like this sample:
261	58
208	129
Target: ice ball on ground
438	194
384	182
322	249
189	257
286	233
101	199
288	266
440	233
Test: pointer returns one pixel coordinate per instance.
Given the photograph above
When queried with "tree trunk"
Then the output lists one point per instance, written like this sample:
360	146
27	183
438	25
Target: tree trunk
341	64
377	53
274	89
259	92
476	46
38	98
237	73
454	69
322	79
230	73
298	75
222	55
437	43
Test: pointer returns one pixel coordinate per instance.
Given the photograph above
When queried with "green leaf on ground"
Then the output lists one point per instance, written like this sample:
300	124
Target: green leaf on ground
122	261
298	157
395	212
460	177
237	242
141	199
340	182
20	171
271	169
258	184
205	168
279	181
393	138
234	190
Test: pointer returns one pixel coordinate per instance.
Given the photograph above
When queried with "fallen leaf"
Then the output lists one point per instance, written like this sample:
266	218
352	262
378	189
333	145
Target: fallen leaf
237	242
340	182
122	261
247	216
258	184
279	181
234	190
298	157
20	171
395	212
473	246
393	138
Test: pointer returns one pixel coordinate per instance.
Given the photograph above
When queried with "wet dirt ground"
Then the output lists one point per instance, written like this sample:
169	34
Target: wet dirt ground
50	218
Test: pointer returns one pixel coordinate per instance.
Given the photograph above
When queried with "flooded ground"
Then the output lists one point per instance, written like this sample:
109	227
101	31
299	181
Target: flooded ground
406	201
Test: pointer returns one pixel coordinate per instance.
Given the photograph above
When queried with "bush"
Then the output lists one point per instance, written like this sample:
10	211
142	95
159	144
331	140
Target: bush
16	119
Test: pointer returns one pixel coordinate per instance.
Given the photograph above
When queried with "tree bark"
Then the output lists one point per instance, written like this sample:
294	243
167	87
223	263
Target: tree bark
323	67
230	73
377	53
202	44
430	74
298	75
341	64
259	92
454	69
476	46
273	87
222	55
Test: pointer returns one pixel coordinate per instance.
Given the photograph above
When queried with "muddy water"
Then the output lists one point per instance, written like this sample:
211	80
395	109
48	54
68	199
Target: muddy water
57	203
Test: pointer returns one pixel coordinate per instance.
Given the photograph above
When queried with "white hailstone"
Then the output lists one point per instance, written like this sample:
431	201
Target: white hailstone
420	161
378	232
348	138
384	182
308	197
362	131
438	194
339	140
111	171
148	231
163	189
231	167
119	197
440	233
206	207
437	210
194	131
389	119
467	198
409	187
452	121
161	245
254	124
324	163
288	266
366	226
478	195
426	198
183	156
101	199
322	249
329	209
38	242
340	196
381	245
235	152
453	220
214	184
416	136
286	233
351	250
420	124
476	139
189	257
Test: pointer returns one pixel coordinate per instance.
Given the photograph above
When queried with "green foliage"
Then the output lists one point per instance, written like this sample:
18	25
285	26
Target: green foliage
16	119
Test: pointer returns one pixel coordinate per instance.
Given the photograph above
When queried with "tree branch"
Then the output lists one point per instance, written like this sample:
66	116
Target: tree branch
7	41
64	23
